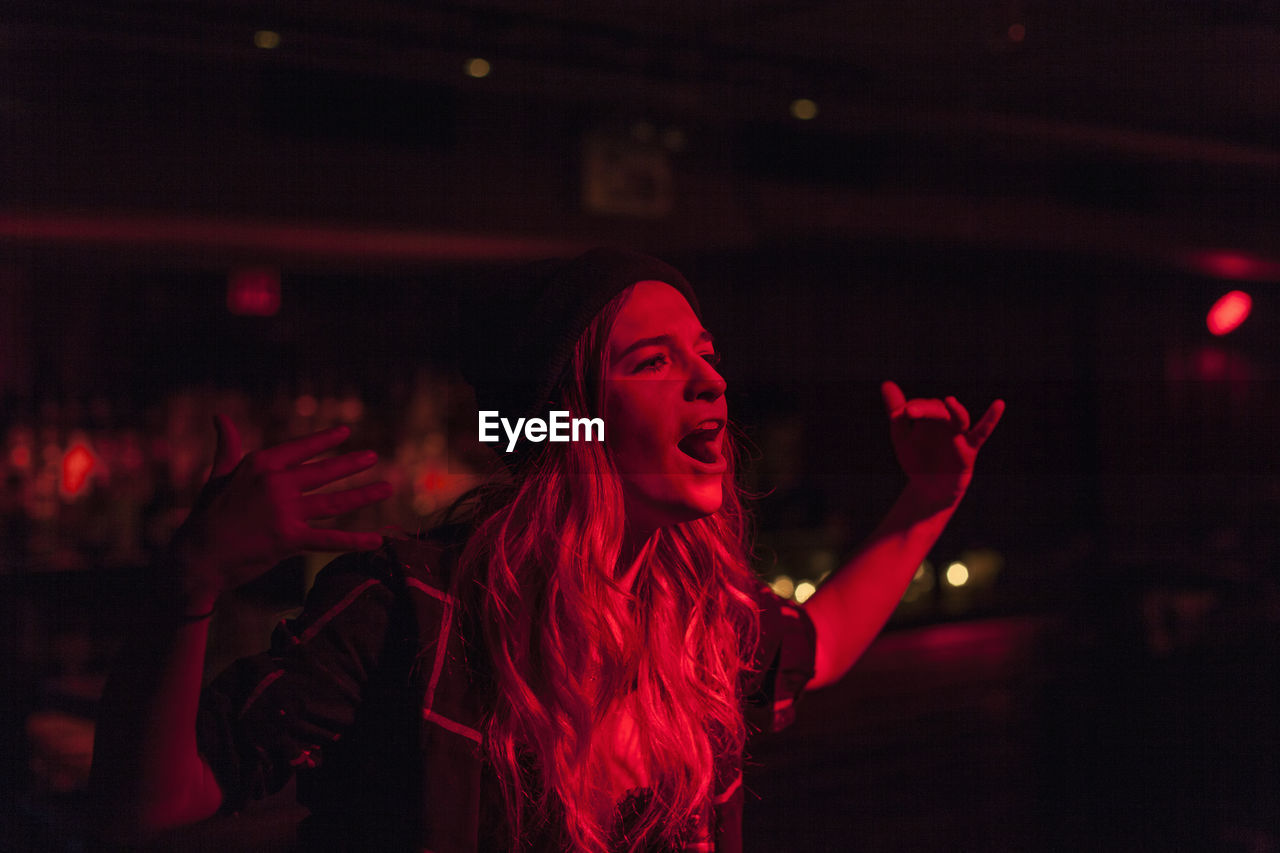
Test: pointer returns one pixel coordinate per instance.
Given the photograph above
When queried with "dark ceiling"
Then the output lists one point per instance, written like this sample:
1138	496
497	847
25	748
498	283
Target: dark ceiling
1206	71
1164	110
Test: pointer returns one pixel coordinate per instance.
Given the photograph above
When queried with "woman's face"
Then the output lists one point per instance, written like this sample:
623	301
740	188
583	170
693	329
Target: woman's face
664	409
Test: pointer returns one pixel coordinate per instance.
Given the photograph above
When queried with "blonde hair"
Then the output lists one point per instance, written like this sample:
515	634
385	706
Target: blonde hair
564	640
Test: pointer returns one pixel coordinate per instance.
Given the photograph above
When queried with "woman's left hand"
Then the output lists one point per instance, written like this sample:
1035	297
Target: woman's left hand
934	442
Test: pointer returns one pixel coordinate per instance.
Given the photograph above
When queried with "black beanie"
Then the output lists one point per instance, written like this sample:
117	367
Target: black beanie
516	344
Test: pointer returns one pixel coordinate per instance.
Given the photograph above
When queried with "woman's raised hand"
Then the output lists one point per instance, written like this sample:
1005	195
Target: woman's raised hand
255	509
934	442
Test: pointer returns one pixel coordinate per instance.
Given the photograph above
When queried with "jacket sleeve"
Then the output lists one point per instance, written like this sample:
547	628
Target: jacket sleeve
783	662
271	714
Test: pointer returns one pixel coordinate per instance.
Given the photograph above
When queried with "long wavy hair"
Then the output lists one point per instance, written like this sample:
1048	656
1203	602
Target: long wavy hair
566	642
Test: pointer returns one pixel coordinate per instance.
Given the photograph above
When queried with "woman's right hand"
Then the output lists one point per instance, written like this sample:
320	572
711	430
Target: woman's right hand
255	509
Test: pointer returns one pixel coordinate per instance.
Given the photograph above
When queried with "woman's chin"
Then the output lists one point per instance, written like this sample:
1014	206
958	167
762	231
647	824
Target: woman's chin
708	501
688	503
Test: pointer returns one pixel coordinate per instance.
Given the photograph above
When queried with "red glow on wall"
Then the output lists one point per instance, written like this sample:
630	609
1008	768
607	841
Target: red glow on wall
432	480
20	457
1211	364
1229	312
77	464
1234	266
254	292
274	238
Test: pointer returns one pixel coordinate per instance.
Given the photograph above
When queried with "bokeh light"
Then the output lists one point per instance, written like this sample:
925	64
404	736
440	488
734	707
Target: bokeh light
477	67
784	586
804	109
1229	312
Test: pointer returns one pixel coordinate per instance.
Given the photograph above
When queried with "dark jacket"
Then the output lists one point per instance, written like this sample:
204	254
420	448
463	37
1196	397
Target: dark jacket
374	697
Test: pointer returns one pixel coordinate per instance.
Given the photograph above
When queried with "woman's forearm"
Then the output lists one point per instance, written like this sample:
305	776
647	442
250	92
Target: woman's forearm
147	775
252	513
853	604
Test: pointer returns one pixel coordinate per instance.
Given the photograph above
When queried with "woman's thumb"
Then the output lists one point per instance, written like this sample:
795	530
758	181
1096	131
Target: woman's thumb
227	455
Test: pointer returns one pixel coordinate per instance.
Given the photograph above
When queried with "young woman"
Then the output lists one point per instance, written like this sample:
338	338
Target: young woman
574	662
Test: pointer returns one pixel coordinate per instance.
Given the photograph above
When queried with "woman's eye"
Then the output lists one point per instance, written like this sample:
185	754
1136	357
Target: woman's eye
711	358
653	363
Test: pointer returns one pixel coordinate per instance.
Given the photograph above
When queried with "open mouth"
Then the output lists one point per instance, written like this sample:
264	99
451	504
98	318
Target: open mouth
703	442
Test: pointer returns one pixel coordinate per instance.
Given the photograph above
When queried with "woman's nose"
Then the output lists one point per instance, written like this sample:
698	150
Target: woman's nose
707	382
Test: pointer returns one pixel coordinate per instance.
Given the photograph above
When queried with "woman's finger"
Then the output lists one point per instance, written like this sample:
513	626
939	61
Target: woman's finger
958	413
982	429
228	452
894	399
330	504
299	450
316	474
927	410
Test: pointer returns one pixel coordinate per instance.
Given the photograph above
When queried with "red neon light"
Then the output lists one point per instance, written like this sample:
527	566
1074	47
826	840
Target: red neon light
1234	266
77	465
1229	312
269	238
254	292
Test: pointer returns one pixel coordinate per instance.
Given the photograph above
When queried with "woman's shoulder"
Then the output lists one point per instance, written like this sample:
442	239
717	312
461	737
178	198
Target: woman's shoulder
429	558
426	559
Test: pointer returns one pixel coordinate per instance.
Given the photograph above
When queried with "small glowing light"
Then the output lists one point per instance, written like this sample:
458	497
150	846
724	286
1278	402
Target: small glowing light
351	410
477	67
266	39
783	586
306	406
1229	312
254	292
76	467
1017	32
804	589
921	583
432	480
20	457
673	139
957	574
1234	265
804	109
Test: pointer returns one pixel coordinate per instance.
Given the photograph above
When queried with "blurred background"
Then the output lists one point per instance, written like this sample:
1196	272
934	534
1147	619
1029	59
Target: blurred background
267	210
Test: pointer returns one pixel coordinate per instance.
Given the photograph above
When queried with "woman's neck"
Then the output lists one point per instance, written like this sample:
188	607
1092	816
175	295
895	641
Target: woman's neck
637	545
630	560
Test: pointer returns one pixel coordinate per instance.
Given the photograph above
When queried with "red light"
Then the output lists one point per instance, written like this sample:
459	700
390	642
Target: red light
1229	312
254	292
1211	364
77	465
431	481
20	457
1234	266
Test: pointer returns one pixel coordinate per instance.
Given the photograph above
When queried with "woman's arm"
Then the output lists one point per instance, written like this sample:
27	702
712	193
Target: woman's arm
936	447
147	775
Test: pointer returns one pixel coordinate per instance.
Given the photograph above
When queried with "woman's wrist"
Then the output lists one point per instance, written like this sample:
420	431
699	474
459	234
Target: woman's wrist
186	588
199	614
937	492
